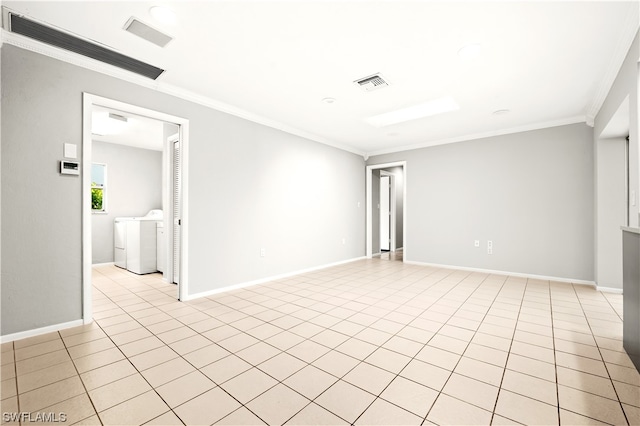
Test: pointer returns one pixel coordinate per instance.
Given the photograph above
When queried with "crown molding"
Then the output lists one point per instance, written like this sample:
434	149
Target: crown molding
169	89
474	136
629	31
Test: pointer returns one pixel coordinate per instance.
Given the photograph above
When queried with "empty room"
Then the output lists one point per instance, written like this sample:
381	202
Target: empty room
320	212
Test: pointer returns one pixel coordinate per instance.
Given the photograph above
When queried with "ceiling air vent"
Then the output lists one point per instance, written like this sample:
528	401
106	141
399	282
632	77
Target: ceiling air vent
26	27
142	30
372	82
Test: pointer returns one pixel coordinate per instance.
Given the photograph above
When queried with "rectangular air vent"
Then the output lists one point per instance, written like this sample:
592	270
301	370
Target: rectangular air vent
372	82
142	30
26	27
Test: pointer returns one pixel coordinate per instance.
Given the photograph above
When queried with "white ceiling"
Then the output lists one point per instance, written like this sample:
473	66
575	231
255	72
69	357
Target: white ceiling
548	62
137	131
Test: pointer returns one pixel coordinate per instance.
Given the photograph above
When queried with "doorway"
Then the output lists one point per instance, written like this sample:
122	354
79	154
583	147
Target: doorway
386	218
613	200
174	178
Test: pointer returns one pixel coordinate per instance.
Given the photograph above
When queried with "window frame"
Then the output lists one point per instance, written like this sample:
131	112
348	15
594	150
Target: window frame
103	188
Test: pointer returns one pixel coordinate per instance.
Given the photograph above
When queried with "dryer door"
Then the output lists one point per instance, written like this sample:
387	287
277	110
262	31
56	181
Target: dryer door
119	243
119	234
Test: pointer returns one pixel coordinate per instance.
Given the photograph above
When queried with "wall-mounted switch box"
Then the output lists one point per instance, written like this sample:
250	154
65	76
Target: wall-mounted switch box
69	168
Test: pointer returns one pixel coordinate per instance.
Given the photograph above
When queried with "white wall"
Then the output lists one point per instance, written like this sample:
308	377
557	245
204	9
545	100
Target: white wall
251	186
134	186
531	193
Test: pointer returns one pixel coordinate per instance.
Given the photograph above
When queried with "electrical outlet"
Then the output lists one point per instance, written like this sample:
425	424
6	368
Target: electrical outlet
476	243
489	247
263	252
344	241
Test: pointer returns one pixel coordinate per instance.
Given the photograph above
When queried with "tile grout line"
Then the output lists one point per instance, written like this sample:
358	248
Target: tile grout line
515	328
624	413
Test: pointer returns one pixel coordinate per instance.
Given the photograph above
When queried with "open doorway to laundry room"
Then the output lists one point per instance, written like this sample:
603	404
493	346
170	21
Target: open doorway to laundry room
135	192
386	210
613	197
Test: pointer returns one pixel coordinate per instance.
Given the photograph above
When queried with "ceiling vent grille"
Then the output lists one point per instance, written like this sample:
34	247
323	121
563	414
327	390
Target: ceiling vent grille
142	30
372	82
26	27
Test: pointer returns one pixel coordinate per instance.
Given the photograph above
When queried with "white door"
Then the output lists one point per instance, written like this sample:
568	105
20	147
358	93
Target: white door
385	216
176	211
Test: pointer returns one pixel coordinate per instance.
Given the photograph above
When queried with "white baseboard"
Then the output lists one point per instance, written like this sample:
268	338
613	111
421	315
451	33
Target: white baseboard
614	290
103	264
267	279
39	331
513	274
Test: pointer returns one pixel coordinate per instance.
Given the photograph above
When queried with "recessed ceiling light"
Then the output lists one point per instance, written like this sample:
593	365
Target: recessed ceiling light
470	51
328	100
501	112
438	106
163	14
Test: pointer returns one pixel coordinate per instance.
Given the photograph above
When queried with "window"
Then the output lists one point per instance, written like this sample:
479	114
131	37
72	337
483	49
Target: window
98	188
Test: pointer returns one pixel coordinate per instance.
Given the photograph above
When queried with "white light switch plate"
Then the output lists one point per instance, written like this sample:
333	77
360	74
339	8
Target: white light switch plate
70	150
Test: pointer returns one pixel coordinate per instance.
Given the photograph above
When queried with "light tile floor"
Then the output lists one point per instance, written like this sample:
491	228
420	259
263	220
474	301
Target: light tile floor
371	342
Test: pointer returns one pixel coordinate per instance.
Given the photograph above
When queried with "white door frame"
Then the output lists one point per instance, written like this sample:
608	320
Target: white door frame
392	208
369	178
88	102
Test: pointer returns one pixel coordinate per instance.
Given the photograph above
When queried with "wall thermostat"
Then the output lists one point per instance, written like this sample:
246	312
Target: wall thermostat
69	168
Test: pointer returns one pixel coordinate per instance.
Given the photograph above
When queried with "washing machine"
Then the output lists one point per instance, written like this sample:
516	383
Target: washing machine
135	242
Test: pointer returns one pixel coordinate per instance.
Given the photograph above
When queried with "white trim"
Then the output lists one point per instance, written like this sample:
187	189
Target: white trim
272	278
613	290
520	129
39	331
89	100
183	285
368	198
392	208
497	272
97	265
169	89
87	288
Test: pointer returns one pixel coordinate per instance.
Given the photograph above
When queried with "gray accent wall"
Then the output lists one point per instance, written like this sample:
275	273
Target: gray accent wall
251	187
611	214
134	186
530	193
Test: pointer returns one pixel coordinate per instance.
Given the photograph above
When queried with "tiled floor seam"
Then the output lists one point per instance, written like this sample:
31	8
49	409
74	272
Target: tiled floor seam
624	412
495	405
217	384
136	369
461	355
